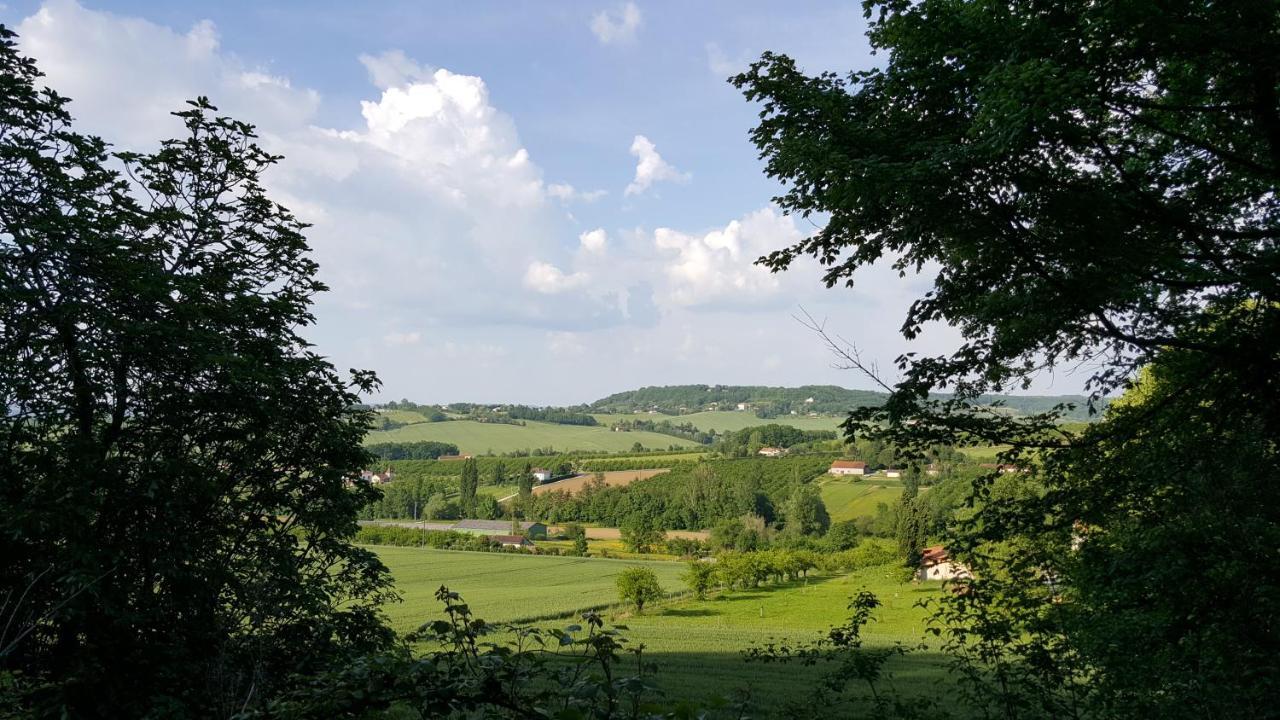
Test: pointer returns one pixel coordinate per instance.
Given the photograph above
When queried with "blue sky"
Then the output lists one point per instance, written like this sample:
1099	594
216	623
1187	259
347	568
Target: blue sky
512	201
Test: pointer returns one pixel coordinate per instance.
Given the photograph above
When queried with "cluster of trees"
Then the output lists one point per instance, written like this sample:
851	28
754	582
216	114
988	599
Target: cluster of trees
690	496
748	441
748	569
559	416
420	450
684	431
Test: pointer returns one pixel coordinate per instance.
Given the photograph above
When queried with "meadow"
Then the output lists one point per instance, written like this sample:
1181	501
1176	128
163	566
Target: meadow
476	437
847	499
696	645
503	587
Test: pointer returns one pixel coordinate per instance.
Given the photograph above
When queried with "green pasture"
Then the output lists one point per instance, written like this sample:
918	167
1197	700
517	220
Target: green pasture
475	437
502	587
847	499
696	645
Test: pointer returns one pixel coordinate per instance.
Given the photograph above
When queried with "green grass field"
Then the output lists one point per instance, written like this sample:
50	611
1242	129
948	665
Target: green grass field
846	499
696	645
475	437
728	420
505	588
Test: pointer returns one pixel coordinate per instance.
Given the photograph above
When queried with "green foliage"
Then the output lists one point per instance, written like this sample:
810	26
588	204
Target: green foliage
640	533
574	672
176	521
1091	185
748	441
468	484
700	577
639	586
423	450
805	512
843	535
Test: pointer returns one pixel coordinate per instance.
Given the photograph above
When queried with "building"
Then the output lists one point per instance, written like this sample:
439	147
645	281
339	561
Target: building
500	527
377	478
848	467
517	541
743	406
892	472
935	564
541	474
1003	468
772	451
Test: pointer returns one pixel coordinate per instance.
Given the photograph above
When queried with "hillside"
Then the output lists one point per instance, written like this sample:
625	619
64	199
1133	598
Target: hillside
476	437
781	401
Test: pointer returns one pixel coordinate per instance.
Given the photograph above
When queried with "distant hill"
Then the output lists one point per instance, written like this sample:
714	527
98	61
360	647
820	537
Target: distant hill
767	402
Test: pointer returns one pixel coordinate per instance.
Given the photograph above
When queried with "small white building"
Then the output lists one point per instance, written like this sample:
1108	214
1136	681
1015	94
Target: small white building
772	451
893	473
847	467
935	564
541	474
743	406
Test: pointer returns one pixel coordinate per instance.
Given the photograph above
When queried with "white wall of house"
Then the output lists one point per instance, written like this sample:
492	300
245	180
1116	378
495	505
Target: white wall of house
848	471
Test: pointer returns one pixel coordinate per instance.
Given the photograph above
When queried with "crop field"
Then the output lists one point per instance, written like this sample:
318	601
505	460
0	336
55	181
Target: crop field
696	645
614	477
846	499
502	587
475	437
728	420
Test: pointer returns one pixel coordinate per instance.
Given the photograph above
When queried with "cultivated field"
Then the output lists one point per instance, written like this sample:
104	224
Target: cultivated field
475	437
613	477
728	420
696	645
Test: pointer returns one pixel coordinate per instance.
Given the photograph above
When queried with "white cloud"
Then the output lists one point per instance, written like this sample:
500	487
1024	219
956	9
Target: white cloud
593	241
565	192
550	280
565	344
651	168
717	268
619	27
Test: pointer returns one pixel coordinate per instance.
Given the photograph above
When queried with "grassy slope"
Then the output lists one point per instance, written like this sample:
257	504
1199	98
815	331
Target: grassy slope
696	645
846	499
728	420
474	437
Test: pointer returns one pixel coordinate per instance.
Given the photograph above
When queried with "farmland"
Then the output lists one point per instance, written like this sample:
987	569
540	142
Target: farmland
847	499
612	478
505	588
728	420
696	645
476	437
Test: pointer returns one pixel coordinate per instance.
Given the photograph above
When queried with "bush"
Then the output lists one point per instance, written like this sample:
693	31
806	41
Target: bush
638	585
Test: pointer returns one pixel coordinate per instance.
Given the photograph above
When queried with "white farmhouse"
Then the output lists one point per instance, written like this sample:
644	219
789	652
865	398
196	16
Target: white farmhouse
848	467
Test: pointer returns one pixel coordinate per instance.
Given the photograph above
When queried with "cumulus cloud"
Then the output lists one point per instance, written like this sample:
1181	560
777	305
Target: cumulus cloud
717	268
550	280
616	27
720	64
650	167
593	241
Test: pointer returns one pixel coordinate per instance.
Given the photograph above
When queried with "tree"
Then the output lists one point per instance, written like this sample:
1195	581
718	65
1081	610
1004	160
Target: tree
640	533
468	484
1087	183
525	483
700	577
578	534
499	473
638	586
487	507
843	535
806	514
176	520
909	530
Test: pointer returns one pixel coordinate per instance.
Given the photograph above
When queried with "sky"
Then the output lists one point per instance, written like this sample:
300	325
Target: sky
525	202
